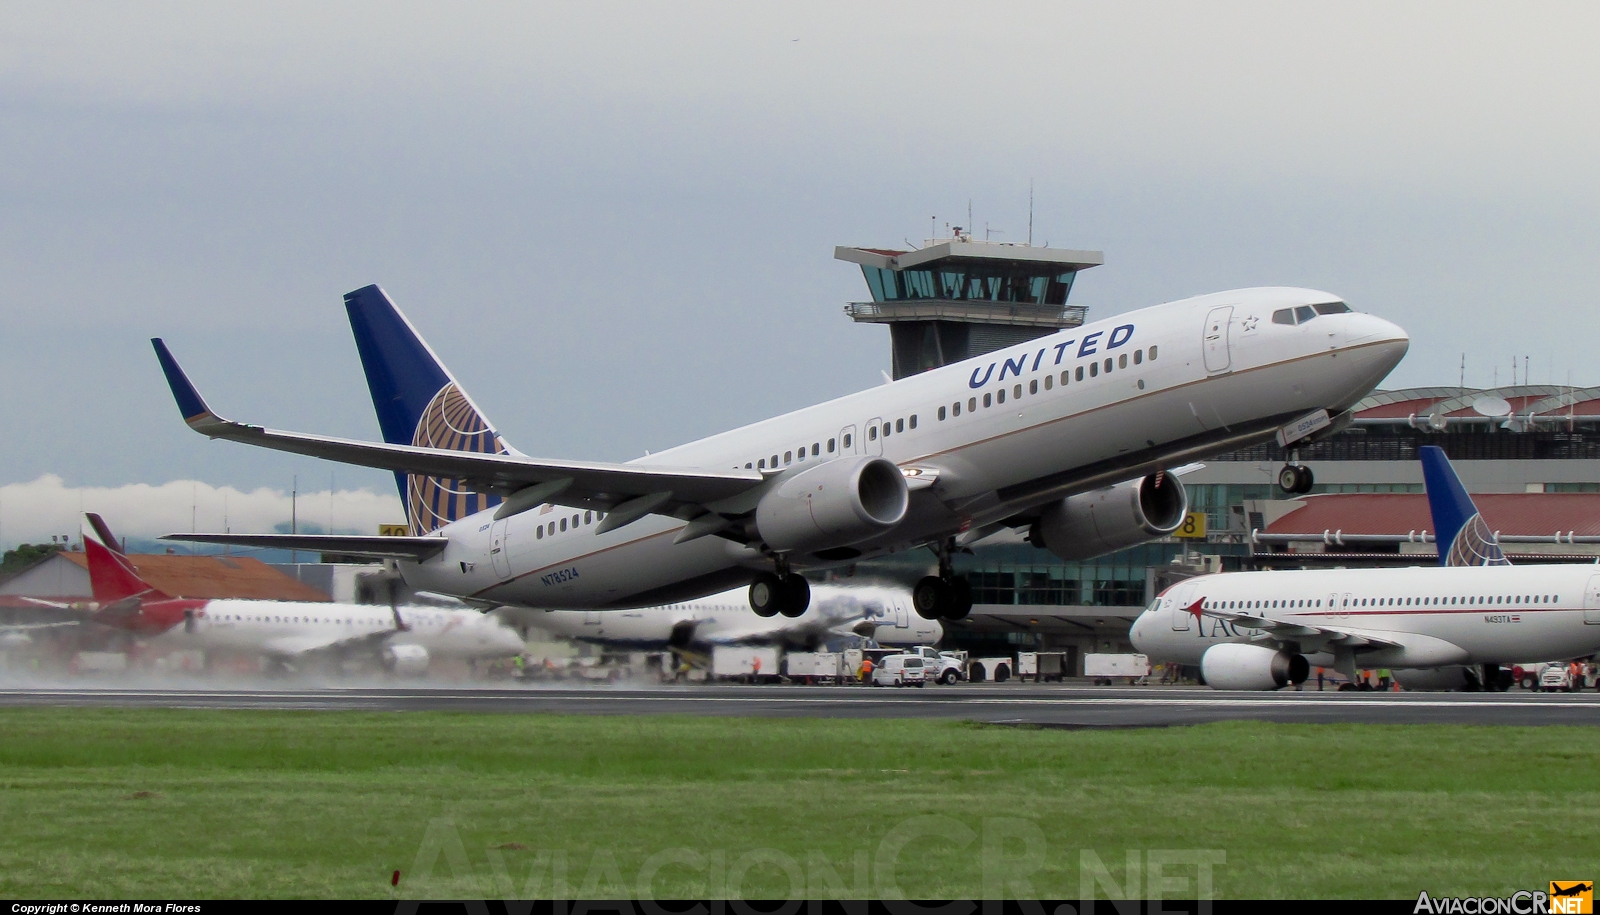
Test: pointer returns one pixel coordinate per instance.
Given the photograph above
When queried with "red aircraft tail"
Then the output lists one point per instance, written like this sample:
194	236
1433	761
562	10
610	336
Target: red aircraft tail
111	575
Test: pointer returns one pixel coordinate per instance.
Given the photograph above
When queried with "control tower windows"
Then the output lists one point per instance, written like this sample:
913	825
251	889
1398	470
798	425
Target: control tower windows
992	282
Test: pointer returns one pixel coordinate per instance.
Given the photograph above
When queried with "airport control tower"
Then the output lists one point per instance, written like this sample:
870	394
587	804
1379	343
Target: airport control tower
956	298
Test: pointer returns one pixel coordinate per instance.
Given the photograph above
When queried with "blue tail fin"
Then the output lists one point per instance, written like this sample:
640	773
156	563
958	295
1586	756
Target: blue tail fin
419	403
1463	537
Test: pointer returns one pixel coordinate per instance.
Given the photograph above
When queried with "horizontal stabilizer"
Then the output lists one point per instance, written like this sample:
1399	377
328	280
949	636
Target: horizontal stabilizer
417	548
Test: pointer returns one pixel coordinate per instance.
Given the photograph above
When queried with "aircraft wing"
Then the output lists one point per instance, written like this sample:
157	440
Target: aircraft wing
294	646
417	548
31	627
629	491
1310	638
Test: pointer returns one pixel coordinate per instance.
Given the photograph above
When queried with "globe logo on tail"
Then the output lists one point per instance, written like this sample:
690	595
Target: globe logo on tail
450	422
1474	545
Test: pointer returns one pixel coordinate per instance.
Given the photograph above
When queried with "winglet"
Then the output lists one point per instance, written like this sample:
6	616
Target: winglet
1463	537
190	404
1195	607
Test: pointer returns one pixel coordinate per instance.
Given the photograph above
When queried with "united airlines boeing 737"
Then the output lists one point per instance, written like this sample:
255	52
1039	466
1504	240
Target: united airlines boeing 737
1447	627
1068	436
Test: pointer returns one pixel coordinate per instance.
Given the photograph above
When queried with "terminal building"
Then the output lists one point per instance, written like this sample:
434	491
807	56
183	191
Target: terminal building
1532	450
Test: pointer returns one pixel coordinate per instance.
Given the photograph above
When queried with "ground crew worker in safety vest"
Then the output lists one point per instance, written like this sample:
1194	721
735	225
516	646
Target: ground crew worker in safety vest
866	669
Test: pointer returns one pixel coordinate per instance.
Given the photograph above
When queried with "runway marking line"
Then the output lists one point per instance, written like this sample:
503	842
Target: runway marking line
321	698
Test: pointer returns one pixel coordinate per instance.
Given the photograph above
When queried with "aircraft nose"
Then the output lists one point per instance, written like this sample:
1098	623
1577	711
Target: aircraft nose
1365	329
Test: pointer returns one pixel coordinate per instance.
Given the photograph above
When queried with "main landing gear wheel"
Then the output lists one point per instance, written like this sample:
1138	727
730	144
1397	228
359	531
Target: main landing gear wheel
766	595
937	598
1295	479
960	599
930	597
796	595
771	595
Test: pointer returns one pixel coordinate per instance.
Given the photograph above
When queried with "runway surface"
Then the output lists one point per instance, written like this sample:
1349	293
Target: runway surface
1059	706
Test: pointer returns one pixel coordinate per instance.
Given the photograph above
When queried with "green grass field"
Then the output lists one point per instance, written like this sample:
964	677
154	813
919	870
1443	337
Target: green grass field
158	803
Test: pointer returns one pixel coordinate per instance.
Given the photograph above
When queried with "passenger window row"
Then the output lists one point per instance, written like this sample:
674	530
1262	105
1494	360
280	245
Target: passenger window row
899	425
833	445
550	528
1067	376
1500	600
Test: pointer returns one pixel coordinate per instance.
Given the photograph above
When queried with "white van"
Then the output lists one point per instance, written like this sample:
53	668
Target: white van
898	670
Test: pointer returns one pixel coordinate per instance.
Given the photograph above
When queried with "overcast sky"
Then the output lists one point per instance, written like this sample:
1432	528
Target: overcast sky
616	224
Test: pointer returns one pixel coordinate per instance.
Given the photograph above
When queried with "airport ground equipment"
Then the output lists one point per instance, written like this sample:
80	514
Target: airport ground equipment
999	669
748	662
813	666
1103	668
1042	666
899	670
945	667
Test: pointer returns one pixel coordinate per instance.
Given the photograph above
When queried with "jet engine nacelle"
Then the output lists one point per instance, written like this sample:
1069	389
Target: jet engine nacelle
405	660
833	504
1232	665
1095	523
1436	679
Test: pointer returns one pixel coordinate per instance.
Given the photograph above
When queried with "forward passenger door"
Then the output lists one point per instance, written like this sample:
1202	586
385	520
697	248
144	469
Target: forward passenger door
1218	321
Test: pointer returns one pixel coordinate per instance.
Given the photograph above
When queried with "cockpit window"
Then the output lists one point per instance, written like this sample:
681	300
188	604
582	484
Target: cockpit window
1283	316
1331	308
1305	313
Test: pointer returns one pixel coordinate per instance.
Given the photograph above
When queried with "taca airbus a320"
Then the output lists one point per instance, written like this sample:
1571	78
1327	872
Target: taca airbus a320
1068	436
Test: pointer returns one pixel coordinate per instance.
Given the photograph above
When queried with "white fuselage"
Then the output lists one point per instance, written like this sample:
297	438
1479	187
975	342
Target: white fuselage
1184	379
1440	616
289	629
727	618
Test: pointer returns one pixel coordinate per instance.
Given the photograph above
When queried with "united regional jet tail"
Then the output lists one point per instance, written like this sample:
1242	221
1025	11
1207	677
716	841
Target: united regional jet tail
287	632
1447	627
1068	437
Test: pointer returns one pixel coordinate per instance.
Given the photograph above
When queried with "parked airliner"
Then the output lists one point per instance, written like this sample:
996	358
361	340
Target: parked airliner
1067	436
1445	627
880	613
287	633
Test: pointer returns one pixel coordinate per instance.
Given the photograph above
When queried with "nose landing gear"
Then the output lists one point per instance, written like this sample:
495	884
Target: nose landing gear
942	596
1295	478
